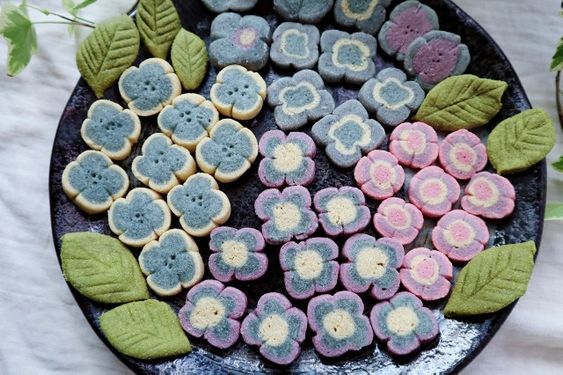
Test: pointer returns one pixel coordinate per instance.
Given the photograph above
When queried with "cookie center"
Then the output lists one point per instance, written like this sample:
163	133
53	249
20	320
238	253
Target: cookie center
339	324
436	59
207	312
341	211
294	43
349	133
245	37
371	263
359	10
434	191
392	94
424	270
274	330
235	253
483	193
300	98
350	54
402	320
287	157
398	217
463	157
287	216
308	264
382	174
459	234
413	142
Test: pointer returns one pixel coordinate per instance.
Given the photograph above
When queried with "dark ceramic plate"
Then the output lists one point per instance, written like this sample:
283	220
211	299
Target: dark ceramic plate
459	342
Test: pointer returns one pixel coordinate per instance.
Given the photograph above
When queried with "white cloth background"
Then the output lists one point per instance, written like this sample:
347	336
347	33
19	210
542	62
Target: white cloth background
43	330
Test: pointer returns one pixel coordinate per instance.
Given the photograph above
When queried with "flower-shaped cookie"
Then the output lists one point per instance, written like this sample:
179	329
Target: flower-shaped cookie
427	273
171	263
366	15
238	93
276	327
188	119
303	11
299	99
199	204
348	133
228	152
347	57
339	323
403	323
342	211
379	175
151	86
309	267
414	144
93	182
220	6
139	218
111	129
286	214
213	311
288	159
390	97
239	40
489	195
237	254
371	263
398	220
462	154
433	191
295	45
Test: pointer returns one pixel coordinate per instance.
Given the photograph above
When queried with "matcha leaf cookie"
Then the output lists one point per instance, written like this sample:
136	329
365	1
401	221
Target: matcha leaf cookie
158	24
189	59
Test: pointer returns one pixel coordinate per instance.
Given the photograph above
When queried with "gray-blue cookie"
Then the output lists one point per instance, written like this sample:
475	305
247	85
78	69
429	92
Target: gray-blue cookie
220	6
366	15
306	11
295	45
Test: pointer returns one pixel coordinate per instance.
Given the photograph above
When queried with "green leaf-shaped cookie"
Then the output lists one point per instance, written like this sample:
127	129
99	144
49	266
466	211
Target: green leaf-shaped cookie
462	102
158	24
520	141
492	280
110	49
101	268
145	330
17	29
189	59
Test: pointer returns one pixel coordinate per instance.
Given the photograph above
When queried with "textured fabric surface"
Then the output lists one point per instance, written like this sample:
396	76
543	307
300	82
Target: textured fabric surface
44	331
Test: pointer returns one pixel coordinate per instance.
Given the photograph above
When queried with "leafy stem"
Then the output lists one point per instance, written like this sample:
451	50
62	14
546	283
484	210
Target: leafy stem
76	20
64	23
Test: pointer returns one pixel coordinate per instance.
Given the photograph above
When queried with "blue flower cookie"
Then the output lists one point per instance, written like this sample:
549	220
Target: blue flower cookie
93	182
348	134
238	93
171	263
390	97
188	119
162	164
342	210
295	45
347	57
148	88
111	129
228	152
299	99
366	15
239	40
310	11
220	6
199	204
139	218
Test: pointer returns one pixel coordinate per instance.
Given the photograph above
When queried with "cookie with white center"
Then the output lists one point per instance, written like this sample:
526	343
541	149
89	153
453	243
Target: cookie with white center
342	211
462	154
220	6
366	15
414	144
433	191
303	11
379	175
295	45
427	273
398	220
489	195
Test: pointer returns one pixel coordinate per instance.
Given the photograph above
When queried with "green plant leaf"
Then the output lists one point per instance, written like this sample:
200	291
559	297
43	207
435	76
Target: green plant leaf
557	59
101	268
73	8
158	24
558	165
520	141
110	49
189	59
145	330
462	102
492	280
554	211
18	31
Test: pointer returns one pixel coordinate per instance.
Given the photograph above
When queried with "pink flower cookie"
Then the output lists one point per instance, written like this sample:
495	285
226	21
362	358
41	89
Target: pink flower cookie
398	220
426	273
462	154
489	195
433	191
379	175
414	144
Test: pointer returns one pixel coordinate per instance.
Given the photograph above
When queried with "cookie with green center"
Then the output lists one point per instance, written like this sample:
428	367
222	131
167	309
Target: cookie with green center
188	119
433	191
371	265
462	154
348	133
295	45
379	175
489	195
391	97
237	254
199	204
427	273
171	263
213	311
414	144
228	152
276	327
303	11
398	220
93	182
111	129
342	211
403	324
151	86
347	57
299	99
139	218
366	15
339	324
220	6
309	267
238	93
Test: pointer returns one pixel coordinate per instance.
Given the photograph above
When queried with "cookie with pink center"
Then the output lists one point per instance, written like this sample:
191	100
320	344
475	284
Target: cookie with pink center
460	235
427	273
433	191
489	195
414	144
398	220
342	211
462	154
379	175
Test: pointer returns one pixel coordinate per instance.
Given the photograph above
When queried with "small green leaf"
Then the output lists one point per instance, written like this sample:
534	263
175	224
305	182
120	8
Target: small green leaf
557	60
158	24
69	6
558	165
73	8
462	102
145	330
520	141
554	211
110	49
19	33
492	280
189	59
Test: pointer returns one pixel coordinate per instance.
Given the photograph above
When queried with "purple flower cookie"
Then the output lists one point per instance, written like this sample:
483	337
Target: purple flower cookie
462	154
276	327
427	273
309	267
414	144
433	191
339	324
398	220
379	175
214	312
342	211
489	195
237	254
